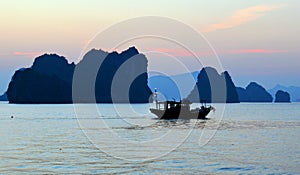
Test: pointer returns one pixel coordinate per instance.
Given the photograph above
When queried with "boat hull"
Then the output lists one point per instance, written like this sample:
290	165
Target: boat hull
181	114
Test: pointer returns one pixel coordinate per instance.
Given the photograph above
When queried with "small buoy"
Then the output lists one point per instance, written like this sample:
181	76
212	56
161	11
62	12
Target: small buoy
11	116
60	149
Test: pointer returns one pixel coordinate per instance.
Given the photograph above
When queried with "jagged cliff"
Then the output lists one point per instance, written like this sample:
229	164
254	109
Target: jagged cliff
213	87
49	79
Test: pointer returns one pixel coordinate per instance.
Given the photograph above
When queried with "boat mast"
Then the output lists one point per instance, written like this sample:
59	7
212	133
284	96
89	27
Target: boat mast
155	98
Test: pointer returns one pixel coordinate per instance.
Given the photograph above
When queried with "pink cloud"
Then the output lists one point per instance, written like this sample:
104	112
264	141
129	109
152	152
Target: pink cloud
28	53
173	52
242	16
183	53
254	51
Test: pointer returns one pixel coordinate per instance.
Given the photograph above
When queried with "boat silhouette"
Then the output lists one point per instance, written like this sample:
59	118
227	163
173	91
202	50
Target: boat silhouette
179	110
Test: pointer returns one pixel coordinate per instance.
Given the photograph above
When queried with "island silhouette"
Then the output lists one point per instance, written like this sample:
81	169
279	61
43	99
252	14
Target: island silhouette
282	97
49	81
254	93
213	87
293	91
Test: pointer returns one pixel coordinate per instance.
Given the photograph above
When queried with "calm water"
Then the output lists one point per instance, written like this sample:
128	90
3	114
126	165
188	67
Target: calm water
51	139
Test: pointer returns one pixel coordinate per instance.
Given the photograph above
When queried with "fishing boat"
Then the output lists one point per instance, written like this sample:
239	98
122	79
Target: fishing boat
179	110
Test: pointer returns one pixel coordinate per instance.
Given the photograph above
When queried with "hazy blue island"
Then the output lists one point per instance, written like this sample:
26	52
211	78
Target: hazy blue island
173	86
292	90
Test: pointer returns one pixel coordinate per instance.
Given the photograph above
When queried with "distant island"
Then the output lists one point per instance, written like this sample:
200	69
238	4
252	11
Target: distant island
49	79
282	97
292	90
173	86
254	93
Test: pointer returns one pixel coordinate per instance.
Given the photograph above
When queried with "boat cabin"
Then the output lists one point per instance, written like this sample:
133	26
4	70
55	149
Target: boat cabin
167	105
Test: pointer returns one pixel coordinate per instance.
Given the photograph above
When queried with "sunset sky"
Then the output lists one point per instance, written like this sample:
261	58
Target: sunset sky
255	40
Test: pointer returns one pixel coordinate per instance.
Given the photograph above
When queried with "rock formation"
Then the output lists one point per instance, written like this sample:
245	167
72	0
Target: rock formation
254	93
294	91
121	78
213	87
45	82
49	79
282	97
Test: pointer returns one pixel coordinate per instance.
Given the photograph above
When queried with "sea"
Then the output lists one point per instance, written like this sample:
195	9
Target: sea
245	138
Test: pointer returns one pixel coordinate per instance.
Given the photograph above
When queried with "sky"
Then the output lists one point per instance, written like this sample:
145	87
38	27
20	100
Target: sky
255	40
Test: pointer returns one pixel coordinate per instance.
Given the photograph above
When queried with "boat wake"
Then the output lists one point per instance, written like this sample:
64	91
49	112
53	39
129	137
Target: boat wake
213	124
